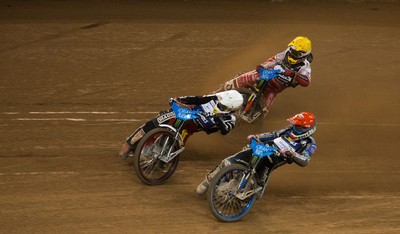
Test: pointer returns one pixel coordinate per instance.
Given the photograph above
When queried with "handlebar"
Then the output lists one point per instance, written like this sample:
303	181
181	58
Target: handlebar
277	152
267	74
186	113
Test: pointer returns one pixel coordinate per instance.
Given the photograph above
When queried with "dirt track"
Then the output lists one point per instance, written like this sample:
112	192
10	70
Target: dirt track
77	79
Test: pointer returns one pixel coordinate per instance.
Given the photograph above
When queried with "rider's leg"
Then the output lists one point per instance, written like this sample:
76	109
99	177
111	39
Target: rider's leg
269	97
240	81
264	170
242	155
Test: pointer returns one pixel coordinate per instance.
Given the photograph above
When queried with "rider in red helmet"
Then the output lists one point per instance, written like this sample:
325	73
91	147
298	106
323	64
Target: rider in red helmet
297	134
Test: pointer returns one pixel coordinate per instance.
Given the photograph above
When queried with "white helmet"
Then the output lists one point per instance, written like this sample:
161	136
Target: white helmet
229	100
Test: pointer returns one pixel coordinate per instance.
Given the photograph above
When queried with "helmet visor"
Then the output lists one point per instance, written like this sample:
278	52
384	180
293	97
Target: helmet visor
222	107
299	129
296	54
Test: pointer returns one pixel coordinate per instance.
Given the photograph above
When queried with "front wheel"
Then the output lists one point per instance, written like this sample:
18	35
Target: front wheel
223	203
155	145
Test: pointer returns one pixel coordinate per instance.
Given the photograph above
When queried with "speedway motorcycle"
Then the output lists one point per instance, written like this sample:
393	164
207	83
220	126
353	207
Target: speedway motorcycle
235	188
157	153
254	101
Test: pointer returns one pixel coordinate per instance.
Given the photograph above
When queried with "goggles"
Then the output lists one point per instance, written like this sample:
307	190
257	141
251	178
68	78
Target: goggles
294	54
222	107
299	129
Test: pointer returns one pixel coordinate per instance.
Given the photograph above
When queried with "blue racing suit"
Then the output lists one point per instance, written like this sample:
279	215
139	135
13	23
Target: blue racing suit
303	148
222	122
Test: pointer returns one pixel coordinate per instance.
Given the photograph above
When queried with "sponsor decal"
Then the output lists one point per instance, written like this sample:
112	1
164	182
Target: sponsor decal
164	117
177	123
285	79
184	134
288	138
254	159
265	175
137	136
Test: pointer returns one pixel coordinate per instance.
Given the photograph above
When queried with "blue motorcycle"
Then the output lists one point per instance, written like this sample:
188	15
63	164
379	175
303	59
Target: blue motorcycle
253	95
234	189
157	153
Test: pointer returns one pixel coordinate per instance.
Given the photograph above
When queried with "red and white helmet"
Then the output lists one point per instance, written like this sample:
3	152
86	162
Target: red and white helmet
304	125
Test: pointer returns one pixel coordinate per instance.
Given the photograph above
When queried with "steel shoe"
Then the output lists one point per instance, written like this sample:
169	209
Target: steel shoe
125	150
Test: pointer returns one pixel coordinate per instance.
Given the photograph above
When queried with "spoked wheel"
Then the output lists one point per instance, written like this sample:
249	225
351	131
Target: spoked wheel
223	203
155	145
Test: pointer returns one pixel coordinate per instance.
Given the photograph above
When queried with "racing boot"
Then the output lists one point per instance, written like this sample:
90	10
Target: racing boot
202	188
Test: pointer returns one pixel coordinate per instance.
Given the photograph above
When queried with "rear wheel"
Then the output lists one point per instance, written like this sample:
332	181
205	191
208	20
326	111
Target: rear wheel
223	203
153	146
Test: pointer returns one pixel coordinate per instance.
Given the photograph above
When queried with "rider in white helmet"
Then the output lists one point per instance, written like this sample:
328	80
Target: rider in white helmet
220	106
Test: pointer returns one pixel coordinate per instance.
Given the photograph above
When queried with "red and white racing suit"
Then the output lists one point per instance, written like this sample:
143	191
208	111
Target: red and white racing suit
301	76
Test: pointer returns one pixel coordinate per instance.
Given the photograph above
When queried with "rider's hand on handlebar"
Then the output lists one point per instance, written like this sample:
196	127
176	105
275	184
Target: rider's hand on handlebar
258	68
289	73
171	100
286	153
249	137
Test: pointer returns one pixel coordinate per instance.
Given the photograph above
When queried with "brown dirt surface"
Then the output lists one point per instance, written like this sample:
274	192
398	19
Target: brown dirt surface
77	77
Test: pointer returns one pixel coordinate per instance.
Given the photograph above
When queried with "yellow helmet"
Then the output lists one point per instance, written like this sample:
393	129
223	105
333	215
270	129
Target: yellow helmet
299	48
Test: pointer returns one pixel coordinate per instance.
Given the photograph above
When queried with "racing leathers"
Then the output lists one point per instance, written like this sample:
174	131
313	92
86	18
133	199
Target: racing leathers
216	121
300	153
291	75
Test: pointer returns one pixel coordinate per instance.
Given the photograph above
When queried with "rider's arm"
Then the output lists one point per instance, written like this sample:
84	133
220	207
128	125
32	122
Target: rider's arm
303	76
269	136
225	123
274	60
303	158
195	100
265	137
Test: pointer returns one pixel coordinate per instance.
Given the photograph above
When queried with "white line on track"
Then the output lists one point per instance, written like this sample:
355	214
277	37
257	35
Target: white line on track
56	173
145	112
48	119
78	112
77	120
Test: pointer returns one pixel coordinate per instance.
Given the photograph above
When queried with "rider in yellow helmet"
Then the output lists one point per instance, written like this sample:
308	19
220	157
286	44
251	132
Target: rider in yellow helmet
298	50
294	64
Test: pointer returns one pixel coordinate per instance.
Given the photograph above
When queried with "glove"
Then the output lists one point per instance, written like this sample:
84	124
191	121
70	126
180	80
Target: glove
225	125
230	121
249	137
171	100
287	155
289	73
